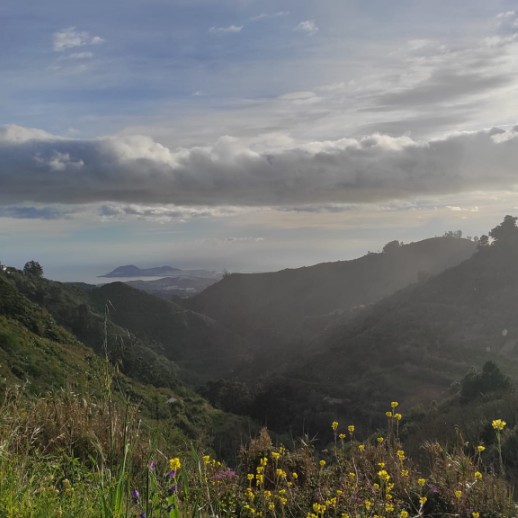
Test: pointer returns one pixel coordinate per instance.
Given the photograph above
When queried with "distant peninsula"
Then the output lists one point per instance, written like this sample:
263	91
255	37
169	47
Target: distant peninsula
130	270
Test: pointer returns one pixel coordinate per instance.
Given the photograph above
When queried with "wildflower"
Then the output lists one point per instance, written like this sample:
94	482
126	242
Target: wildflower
480	448
350	428
498	424
474	514
294	476
271	506
344	515
381	465
376	486
388	413
361	448
404	472
379	440
398	417
225	474
383	475
368	504
334	425
280	473
175	464
339	492
152	465
458	493
275	455
263	461
394	404
401	455
478	475
351	475
341	436
404	514
421	481
322	463
135	495
389	507
250	476
206	459
423	500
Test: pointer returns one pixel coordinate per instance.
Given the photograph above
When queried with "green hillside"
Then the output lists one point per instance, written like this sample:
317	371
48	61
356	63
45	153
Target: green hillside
40	355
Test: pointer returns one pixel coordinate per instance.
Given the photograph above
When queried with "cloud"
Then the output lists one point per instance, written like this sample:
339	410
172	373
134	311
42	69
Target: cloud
307	27
138	170
71	37
226	30
266	16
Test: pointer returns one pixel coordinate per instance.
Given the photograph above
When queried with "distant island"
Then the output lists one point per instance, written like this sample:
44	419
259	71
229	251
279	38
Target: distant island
130	270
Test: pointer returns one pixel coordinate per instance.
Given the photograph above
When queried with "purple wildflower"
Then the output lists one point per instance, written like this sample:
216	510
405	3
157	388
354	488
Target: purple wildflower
135	495
151	465
225	474
171	474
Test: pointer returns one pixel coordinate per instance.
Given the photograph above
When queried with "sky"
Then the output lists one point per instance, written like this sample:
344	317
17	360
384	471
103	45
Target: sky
251	135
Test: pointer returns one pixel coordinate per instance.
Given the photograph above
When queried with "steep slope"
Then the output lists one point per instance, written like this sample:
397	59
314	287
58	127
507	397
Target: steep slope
280	311
200	346
39	354
414	344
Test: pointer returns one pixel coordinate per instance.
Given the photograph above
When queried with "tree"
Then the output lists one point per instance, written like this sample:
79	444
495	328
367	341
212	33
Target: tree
506	232
33	268
391	246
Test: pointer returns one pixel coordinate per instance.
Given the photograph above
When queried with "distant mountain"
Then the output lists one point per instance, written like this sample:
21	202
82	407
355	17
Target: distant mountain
130	270
278	312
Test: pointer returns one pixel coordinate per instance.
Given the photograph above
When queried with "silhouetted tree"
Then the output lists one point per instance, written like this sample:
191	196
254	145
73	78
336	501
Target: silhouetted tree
391	246
33	268
506	232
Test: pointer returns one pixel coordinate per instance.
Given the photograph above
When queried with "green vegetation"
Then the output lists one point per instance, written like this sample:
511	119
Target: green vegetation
68	455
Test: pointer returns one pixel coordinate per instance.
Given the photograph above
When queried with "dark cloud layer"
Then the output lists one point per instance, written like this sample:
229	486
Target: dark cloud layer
37	167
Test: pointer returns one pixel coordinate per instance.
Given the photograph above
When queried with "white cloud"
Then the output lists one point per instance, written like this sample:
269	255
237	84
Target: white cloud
353	170
307	27
71	37
266	16
226	30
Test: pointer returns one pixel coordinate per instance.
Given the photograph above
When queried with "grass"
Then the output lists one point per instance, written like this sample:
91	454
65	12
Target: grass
68	455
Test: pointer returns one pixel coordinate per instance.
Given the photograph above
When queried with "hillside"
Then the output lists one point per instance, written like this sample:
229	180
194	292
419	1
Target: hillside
42	356
200	346
414	345
277	312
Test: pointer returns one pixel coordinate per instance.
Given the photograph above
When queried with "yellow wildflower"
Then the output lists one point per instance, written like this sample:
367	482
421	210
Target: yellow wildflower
350	428
421	481
480	448
498	424
388	413
389	507
361	448
294	476
458	493
404	514
368	504
334	425
383	475
398	417
404	472
275	455
379	440
474	514
394	404
175	464
322	463
478	475
341	436
423	500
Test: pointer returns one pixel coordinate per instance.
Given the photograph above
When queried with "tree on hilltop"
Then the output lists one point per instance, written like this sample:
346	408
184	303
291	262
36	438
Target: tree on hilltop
33	268
506	232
